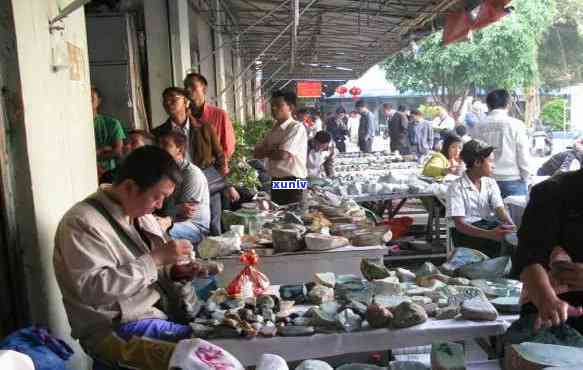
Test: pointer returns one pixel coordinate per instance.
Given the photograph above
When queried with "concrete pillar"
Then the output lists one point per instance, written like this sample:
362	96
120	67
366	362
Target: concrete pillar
257	95
220	72
240	103
249	103
158	48
206	65
179	39
229	76
55	164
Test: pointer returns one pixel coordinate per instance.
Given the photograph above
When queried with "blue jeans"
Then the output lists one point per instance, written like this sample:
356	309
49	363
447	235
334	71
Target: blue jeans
515	187
187	230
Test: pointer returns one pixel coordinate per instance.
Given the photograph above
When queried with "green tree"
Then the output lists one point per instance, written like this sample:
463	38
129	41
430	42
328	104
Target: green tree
562	47
502	55
554	112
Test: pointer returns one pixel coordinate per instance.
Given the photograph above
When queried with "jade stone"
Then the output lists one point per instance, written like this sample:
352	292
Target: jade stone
295	331
461	257
447	356
373	271
408	314
327	279
489	269
405	275
478	309
426	269
537	355
447	313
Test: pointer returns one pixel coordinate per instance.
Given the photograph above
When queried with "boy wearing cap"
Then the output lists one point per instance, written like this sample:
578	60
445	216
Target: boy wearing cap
475	205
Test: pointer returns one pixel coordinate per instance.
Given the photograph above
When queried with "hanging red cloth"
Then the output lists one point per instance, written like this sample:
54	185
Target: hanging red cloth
458	26
490	11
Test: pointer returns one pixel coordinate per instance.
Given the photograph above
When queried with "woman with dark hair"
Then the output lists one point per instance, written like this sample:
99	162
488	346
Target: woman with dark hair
203	148
447	161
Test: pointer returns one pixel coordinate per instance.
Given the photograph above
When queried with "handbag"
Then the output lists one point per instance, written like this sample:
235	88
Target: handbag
216	182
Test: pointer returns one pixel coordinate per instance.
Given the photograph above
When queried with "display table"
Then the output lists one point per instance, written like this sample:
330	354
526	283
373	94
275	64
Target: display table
326	345
291	268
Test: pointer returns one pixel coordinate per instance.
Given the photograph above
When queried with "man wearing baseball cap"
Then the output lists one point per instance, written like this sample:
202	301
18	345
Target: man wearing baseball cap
475	205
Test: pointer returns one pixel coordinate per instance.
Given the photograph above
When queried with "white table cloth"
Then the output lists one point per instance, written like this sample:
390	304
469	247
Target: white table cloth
292	268
326	345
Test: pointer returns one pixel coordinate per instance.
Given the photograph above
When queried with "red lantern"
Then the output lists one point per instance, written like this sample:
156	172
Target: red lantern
355	91
341	90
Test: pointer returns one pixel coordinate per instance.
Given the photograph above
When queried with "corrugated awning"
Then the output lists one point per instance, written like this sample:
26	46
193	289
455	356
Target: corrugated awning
335	39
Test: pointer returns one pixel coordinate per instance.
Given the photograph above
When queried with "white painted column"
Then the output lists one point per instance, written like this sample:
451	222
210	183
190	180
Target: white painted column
240	102
220	74
158	49
179	39
259	114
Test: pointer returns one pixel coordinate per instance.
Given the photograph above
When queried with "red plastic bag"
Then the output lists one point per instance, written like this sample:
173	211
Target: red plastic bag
399	226
258	280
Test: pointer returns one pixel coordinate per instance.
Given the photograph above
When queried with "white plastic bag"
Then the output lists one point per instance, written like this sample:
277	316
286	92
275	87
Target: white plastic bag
223	245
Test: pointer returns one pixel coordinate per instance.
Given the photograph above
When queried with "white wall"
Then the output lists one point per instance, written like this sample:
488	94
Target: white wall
59	144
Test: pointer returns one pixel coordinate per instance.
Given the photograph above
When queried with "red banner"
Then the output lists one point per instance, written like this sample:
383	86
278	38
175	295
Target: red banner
309	89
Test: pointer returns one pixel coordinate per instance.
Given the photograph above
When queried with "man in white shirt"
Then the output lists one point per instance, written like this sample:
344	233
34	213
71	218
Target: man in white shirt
443	124
474	203
321	155
285	147
508	136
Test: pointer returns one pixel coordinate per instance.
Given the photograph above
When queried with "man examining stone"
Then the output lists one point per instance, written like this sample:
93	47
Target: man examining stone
285	148
474	203
321	155
114	265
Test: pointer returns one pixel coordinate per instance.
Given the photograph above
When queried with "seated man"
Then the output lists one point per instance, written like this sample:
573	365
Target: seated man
189	205
321	153
114	265
475	205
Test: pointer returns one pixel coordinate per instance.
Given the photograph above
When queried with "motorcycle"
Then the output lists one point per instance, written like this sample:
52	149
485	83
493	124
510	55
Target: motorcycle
541	142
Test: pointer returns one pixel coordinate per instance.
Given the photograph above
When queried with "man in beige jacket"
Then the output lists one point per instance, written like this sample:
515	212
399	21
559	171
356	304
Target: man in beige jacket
113	264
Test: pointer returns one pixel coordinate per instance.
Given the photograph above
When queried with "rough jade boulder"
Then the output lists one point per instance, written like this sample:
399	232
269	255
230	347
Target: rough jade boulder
408	314
373	271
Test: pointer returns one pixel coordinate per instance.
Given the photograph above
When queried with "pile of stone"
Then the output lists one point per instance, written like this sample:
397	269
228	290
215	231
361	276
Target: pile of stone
468	286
